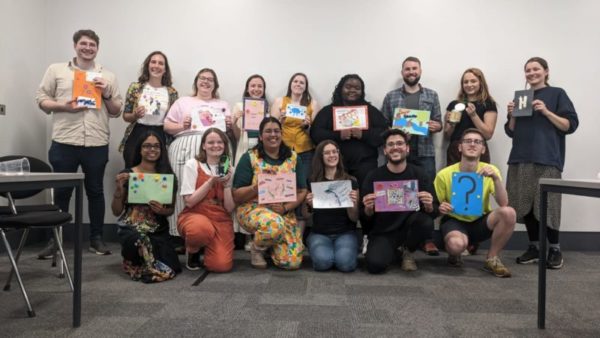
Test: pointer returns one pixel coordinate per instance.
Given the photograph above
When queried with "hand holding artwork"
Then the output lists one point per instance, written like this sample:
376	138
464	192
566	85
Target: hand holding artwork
228	122
139	112
158	208
510	108
434	126
356	133
488	171
446	208
369	203
539	105
345	134
354	197
471	111
277	207
121	180
71	107
427	199
187	122
309	199
102	84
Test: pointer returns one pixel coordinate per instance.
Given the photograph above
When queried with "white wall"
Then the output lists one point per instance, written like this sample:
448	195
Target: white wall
327	39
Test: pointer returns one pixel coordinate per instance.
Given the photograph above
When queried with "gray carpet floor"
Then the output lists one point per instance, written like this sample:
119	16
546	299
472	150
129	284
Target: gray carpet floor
435	301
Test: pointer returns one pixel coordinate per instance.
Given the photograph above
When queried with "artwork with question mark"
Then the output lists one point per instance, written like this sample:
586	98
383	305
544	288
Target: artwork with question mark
146	187
467	194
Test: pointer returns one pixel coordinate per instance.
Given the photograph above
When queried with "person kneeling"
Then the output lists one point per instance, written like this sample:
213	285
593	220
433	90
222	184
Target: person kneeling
392	229
460	230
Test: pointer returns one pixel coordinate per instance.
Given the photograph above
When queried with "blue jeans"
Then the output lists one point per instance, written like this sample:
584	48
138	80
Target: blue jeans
67	158
327	251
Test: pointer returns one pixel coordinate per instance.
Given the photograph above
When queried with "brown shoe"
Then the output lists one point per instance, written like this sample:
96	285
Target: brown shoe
495	266
257	257
408	262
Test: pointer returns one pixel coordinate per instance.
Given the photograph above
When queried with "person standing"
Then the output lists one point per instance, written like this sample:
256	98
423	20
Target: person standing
80	134
538	151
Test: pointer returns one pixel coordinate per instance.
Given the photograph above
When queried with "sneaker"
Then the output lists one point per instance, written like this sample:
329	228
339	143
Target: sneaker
98	247
48	251
192	262
257	258
530	256
365	242
495	266
431	249
408	262
472	248
455	261
555	260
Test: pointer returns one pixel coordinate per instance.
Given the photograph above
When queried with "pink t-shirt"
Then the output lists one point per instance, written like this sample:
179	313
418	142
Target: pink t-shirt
185	105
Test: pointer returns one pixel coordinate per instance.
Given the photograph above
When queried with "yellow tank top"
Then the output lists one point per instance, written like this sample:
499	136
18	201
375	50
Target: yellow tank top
294	135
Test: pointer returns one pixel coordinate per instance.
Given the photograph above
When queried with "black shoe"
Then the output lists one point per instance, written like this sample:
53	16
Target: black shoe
48	251
530	256
98	247
555	260
193	261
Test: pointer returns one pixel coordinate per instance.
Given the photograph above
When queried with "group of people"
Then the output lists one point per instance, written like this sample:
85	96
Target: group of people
210	205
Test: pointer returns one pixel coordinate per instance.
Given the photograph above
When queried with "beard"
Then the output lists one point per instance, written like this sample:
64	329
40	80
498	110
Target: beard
412	83
397	161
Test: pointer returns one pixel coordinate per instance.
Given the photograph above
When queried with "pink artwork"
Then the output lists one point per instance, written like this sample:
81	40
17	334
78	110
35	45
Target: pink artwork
254	113
276	188
391	196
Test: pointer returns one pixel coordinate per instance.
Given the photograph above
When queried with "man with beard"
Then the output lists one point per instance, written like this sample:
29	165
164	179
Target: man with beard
460	230
414	96
399	228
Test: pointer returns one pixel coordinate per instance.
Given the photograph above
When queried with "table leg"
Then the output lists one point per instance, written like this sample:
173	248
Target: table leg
542	260
77	244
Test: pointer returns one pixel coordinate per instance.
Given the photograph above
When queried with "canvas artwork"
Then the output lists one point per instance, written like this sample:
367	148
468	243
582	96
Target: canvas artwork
276	188
254	113
392	196
149	100
415	122
85	93
350	117
295	111
467	194
144	187
523	103
205	117
331	194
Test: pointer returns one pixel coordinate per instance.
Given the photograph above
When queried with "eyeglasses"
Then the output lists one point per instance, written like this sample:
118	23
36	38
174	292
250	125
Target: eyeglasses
471	141
206	79
395	144
148	146
331	152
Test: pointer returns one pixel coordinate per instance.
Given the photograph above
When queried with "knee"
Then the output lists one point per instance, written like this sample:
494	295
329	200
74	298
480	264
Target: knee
375	265
455	244
195	228
322	260
220	264
508	216
345	262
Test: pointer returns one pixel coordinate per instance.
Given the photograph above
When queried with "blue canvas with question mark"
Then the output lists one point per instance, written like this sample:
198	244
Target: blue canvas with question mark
467	194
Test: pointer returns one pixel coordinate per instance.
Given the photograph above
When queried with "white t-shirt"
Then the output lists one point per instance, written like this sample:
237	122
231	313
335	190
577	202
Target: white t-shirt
190	175
156	101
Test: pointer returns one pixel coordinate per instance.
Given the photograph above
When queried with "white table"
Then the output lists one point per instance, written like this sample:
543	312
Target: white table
32	181
589	188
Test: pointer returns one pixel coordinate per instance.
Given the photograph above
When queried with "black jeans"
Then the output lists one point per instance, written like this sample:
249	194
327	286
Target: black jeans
67	158
381	249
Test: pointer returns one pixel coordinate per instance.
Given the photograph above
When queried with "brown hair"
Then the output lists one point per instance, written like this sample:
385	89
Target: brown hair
306	99
145	73
215	93
318	167
483	94
201	157
542	63
86	32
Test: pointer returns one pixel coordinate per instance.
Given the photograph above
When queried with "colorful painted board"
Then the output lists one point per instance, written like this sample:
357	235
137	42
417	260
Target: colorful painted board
523	100
331	194
350	117
467	194
276	188
254	113
144	188
295	111
415	122
85	93
205	117
393	196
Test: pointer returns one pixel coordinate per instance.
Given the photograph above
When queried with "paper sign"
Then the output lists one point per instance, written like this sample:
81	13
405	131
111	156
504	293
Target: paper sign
350	117
144	187
205	117
523	106
295	111
467	194
391	196
331	194
276	188
85	93
415	122
254	113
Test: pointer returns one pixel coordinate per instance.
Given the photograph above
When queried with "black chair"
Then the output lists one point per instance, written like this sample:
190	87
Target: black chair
28	217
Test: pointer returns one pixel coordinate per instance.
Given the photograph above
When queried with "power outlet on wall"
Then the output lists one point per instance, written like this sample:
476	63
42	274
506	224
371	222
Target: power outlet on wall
2	109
